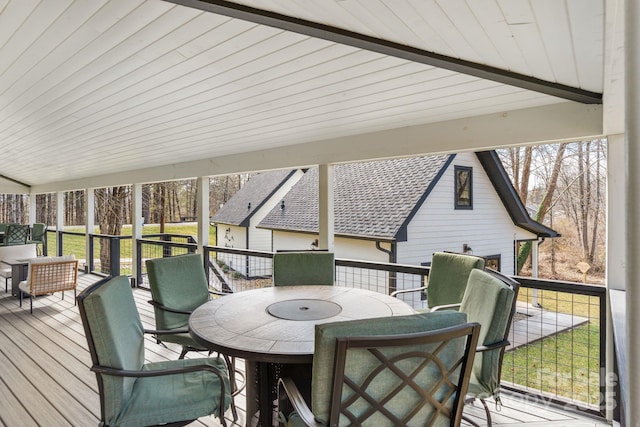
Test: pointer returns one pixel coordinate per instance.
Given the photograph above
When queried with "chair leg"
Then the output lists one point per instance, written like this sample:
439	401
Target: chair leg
486	411
232	383
183	353
31	304
468	401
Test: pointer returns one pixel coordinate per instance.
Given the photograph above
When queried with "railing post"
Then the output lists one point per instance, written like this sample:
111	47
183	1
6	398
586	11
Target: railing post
139	262
205	257
190	239
89	264
603	300
59	243
166	249
114	256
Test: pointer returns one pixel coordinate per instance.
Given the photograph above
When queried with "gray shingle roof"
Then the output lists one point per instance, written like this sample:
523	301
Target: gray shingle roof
371	199
256	191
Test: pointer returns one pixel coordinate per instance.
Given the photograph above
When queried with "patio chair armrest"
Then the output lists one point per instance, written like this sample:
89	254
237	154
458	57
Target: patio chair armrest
493	346
220	293
169	309
166	331
446	307
405	291
286	387
106	370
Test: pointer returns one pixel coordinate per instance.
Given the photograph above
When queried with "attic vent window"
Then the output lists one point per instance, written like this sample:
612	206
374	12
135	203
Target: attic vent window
249	206
463	187
282	205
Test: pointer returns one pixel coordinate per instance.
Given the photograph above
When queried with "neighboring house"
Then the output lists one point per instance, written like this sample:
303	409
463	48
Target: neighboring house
403	210
236	220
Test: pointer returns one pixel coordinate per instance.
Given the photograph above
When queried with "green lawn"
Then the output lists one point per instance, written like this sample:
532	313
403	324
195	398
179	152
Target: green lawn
76	244
566	364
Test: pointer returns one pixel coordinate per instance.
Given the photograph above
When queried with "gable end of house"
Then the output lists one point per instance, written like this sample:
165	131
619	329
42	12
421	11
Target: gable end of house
402	234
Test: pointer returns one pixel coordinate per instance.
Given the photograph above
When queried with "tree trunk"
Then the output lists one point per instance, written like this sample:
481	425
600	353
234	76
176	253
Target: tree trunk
110	203
526	174
525	249
596	213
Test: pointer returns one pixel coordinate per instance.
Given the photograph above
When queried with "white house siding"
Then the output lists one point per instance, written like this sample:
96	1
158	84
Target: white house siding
356	249
437	226
259	239
232	236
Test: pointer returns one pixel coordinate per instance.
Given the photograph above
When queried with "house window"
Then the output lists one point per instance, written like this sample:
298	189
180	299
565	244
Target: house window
463	187
493	261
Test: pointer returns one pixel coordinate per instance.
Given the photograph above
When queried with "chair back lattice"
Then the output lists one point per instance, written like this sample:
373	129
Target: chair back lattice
409	379
16	234
55	275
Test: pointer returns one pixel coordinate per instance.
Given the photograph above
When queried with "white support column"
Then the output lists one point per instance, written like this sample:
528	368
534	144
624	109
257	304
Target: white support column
32	209
632	238
616	242
325	207
616	216
90	221
202	190
59	218
136	227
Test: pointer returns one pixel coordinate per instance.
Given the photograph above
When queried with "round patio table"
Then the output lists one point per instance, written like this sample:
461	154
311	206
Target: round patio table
273	330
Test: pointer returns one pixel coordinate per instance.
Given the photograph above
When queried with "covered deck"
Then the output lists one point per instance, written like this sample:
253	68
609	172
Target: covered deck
106	93
45	377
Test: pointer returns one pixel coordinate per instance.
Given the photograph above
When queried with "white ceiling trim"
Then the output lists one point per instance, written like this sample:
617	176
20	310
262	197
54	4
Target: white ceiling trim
553	123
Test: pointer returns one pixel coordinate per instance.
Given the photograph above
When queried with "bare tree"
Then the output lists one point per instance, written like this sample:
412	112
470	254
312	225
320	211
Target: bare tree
583	201
109	214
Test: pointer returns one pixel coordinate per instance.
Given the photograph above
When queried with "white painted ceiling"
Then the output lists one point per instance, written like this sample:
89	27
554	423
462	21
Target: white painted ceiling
105	87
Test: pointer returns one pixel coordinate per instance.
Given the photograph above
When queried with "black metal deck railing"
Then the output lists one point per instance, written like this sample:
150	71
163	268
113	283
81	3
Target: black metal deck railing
557	351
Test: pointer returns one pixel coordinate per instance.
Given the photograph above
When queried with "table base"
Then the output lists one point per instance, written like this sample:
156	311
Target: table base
262	380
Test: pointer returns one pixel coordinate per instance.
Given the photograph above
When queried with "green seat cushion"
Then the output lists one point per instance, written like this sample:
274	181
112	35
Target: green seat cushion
487	301
303	268
448	277
325	343
171	398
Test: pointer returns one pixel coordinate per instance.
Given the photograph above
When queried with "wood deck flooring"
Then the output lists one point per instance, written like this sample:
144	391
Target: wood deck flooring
45	378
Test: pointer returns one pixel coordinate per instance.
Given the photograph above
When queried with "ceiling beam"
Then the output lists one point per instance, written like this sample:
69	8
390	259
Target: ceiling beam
566	121
386	47
12	186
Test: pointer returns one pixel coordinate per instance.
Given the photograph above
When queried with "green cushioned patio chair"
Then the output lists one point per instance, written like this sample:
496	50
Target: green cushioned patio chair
303	268
395	371
490	300
16	234
179	286
135	393
39	237
448	275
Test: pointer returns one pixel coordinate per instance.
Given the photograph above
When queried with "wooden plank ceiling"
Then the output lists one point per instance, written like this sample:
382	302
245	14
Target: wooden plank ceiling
94	87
